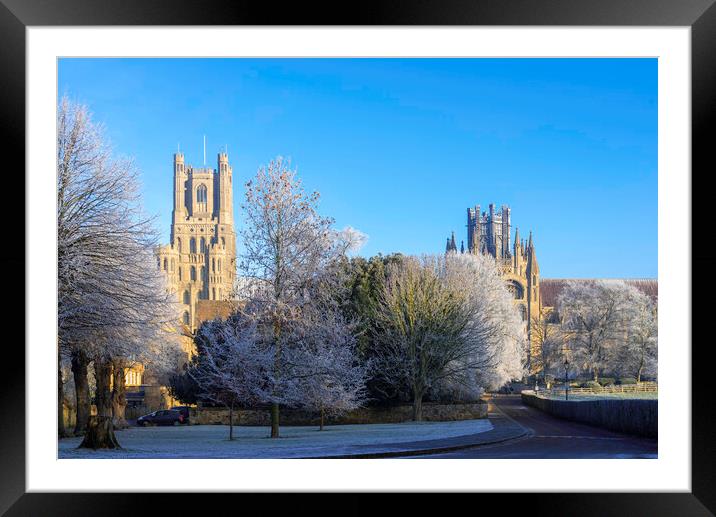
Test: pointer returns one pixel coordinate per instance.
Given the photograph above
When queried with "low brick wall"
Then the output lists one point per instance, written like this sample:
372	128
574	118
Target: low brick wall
633	416
388	415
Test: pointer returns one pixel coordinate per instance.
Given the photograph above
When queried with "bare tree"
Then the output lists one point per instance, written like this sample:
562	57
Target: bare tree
287	244
639	355
595	318
232	366
548	337
111	298
446	319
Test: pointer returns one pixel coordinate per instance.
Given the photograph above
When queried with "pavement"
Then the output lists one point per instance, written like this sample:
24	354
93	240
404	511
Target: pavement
505	429
549	437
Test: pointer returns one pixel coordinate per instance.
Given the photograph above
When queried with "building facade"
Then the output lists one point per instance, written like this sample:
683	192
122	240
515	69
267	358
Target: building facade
489	232
200	259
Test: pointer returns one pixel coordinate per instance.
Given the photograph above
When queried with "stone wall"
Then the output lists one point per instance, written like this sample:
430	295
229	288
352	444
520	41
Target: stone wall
388	415
633	416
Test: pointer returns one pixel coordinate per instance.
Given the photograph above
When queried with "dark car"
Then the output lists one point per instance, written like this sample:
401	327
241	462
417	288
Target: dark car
162	417
184	410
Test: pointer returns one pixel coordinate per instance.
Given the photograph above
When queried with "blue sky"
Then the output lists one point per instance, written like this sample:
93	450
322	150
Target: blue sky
399	148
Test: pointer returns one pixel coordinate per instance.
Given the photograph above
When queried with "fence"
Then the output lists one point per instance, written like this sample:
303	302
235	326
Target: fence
642	387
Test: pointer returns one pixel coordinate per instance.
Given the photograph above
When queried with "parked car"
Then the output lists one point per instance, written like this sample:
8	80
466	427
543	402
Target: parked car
162	417
184	410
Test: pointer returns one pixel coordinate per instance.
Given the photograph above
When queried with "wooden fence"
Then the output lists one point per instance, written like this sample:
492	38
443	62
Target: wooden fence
642	387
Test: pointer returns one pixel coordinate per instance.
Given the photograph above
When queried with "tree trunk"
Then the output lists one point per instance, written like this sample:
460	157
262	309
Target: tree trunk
80	362
323	413
61	432
100	430
231	421
100	434
274	420
638	375
418	408
119	396
596	375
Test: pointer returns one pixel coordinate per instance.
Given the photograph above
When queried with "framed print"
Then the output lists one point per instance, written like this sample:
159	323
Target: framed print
426	249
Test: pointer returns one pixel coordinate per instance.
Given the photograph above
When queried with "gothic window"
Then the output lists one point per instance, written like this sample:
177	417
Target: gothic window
213	265
186	317
193	272
179	272
165	264
201	198
186	297
192	245
223	243
523	312
179	244
202	245
515	290
218	264
203	273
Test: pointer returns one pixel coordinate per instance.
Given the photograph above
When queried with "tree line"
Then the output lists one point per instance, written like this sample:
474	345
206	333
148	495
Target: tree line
603	328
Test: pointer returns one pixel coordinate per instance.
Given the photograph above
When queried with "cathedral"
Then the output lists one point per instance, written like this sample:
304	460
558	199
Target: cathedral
199	262
200	259
489	233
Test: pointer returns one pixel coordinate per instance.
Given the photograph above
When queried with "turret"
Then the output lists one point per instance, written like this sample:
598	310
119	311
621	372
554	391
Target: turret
225	208
179	212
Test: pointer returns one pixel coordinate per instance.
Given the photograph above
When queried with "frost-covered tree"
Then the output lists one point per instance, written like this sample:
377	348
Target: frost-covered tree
232	365
112	302
289	265
548	337
639	354
323	361
446	320
595	318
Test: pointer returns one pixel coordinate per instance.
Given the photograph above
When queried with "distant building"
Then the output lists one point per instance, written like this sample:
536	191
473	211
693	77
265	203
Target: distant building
199	261
489	233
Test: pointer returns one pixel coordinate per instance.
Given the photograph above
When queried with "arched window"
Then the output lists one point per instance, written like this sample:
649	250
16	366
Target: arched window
515	289
179	244
202	246
201	198
213	293
179	272
186	297
213	265
218	264
223	243
192	245
523	312
203	273
165	264
193	272
186	317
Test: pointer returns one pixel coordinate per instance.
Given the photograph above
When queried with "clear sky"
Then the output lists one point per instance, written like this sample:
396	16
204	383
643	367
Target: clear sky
399	148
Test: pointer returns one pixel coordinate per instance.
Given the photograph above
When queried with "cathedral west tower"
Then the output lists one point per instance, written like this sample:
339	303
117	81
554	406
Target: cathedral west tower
200	260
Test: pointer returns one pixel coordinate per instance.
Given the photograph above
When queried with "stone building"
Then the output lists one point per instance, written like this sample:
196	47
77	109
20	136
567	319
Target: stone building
489	233
199	261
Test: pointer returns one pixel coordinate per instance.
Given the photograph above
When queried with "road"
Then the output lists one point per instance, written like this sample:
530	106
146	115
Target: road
550	437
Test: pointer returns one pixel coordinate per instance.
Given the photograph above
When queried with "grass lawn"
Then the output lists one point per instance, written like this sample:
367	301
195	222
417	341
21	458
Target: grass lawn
211	441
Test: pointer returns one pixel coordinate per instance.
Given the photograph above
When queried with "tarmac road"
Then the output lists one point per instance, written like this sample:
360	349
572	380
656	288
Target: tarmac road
551	437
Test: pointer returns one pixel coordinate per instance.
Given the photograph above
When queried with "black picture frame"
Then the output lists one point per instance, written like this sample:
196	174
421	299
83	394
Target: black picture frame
700	15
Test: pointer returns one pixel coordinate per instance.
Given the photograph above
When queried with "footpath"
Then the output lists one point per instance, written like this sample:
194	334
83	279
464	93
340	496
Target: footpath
504	429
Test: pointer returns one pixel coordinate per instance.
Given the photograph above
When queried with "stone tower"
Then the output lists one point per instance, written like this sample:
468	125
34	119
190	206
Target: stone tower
200	260
489	233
